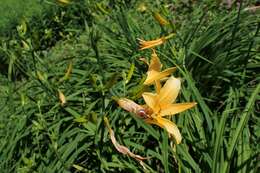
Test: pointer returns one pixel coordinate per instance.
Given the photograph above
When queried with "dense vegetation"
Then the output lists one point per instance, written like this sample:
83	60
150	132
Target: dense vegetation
88	51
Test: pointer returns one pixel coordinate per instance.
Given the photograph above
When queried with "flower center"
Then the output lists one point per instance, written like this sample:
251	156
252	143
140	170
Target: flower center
142	113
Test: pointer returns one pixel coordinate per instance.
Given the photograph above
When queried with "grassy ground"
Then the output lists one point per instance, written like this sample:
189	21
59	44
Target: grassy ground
12	11
215	50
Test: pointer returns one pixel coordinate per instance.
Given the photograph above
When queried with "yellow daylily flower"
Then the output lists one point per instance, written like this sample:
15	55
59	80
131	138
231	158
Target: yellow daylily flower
159	105
154	74
162	105
152	43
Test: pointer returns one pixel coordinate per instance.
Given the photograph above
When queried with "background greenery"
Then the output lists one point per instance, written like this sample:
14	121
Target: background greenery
216	51
12	11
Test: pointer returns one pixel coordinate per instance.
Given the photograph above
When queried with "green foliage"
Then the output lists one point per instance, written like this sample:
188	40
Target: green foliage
12	11
216	52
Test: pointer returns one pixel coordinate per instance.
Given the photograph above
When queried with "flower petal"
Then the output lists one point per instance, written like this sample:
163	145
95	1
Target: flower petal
152	43
175	108
129	105
169	91
151	77
155	75
151	100
120	148
144	60
158	86
168	125
155	63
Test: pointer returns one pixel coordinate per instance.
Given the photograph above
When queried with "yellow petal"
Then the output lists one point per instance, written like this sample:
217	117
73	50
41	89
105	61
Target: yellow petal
152	43
168	125
155	63
151	100
175	108
158	86
149	44
169	91
155	75
129	105
151	77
